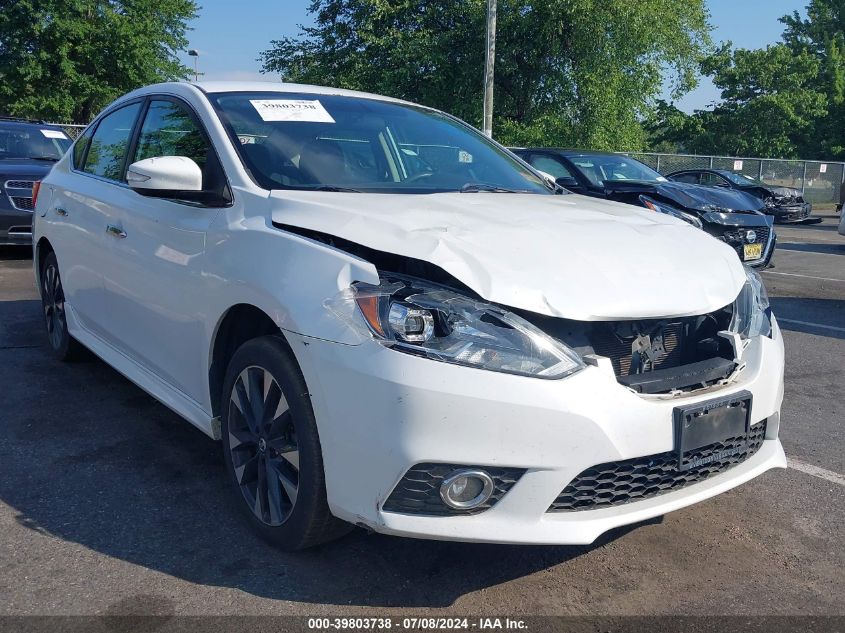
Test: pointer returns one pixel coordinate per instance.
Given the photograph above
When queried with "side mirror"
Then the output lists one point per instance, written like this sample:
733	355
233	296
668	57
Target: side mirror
567	182
165	177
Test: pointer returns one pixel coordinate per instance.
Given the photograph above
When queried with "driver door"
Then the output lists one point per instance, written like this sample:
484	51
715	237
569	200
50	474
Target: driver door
155	289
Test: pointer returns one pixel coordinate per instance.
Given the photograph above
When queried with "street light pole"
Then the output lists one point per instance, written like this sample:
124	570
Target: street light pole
488	68
196	55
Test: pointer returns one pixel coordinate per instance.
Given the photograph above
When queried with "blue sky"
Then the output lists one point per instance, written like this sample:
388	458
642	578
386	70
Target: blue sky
229	40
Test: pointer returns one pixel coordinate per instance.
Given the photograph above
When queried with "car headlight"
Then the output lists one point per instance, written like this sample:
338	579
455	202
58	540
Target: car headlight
752	313
662	207
419	318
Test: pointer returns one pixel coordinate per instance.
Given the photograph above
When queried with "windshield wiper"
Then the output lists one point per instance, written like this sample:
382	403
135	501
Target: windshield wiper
52	159
475	187
333	188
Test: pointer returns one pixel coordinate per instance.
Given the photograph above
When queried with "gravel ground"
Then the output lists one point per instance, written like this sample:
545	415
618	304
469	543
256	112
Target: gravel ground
110	504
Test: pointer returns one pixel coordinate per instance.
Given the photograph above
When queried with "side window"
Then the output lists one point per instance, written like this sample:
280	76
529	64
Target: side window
690	177
80	146
551	166
169	129
713	180
110	142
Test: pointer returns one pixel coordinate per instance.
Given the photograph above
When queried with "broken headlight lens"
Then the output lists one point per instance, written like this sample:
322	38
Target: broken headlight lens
440	324
662	207
752	314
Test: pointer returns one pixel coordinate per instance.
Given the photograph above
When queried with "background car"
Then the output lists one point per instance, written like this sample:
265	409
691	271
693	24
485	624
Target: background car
785	204
28	150
731	216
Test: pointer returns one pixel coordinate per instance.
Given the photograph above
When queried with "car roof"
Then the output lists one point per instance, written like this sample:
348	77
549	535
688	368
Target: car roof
25	123
709	170
216	87
565	151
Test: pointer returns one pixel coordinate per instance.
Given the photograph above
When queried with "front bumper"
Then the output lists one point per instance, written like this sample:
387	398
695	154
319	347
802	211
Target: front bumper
732	228
380	412
787	214
15	227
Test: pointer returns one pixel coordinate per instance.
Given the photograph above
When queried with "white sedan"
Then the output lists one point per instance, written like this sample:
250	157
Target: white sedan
391	321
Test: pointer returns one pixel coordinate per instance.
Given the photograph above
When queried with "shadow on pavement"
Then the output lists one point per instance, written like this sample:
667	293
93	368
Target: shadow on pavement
9	253
91	459
822	312
830	249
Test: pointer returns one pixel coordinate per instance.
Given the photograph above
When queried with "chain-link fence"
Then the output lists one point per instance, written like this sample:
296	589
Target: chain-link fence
73	130
820	182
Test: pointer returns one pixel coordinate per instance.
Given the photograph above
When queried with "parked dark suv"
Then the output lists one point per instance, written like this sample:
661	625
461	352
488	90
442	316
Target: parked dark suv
733	217
28	150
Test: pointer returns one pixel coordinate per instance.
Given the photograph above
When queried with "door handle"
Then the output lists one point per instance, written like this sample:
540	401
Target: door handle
61	212
115	231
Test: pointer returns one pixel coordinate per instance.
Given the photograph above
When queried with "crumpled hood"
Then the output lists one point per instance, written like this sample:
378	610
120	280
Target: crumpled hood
565	256
784	192
691	197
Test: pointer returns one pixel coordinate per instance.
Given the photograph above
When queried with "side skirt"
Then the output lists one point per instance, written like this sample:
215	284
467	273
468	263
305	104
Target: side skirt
162	391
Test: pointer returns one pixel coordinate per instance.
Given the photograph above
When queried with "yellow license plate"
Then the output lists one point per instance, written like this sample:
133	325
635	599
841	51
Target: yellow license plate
752	251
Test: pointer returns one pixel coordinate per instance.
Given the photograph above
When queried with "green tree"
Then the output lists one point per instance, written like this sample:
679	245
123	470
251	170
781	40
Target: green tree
822	35
784	101
770	104
568	72
67	59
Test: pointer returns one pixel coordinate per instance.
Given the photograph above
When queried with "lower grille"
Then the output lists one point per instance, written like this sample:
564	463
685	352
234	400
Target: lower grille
20	194
24	204
615	483
419	490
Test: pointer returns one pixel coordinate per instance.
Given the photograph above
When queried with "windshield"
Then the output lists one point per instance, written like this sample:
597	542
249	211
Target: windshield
599	169
315	141
31	141
740	179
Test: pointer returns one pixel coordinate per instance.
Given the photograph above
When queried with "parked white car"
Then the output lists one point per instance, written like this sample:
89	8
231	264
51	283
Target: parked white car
391	321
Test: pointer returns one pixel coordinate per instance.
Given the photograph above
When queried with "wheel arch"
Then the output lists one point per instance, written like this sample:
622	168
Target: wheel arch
237	325
42	248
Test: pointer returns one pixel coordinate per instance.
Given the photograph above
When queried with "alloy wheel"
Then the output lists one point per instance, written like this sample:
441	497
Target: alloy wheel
54	305
263	446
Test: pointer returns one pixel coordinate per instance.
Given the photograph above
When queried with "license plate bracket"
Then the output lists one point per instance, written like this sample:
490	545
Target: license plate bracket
710	422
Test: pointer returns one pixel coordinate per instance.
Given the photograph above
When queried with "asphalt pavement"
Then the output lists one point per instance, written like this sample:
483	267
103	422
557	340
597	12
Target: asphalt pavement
111	504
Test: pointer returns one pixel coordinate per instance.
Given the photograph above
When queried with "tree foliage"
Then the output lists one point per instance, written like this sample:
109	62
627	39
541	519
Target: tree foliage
784	101
568	72
67	59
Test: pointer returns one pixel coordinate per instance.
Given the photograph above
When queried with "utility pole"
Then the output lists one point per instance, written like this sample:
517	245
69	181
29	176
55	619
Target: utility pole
488	68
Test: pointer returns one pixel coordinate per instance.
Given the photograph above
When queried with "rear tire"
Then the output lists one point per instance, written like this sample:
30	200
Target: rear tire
272	449
62	344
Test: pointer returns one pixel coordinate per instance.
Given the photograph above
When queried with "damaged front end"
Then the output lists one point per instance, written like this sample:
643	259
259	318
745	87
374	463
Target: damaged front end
669	357
672	356
787	205
751	235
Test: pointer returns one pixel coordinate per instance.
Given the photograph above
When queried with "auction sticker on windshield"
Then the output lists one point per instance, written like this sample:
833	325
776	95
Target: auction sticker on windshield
291	110
53	134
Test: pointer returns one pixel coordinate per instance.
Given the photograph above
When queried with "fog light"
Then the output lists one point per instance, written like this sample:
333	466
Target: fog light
466	489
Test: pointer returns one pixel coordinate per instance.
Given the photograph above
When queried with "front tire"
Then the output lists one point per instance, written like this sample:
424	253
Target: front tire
272	449
62	344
